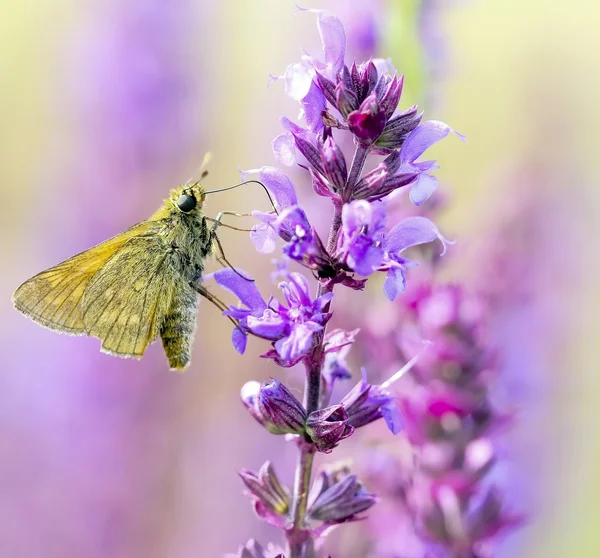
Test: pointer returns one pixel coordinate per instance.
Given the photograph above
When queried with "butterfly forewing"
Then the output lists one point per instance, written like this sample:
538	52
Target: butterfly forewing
53	297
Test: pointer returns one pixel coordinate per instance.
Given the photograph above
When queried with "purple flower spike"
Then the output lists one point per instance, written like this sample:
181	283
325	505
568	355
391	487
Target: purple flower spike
360	244
327	427
341	501
266	491
281	409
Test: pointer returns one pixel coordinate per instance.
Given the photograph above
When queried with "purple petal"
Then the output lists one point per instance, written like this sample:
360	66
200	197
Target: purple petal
395	283
298	342
299	291
245	290
263	238
280	186
365	260
423	188
239	340
413	231
284	149
393	416
298	78
333	39
313	104
270	325
422	138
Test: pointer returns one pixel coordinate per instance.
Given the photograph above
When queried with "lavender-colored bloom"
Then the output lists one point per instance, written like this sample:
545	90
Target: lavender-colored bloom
271	499
341	502
327	427
412	231
366	97
274	406
361	242
282	190
303	243
416	143
291	327
365	247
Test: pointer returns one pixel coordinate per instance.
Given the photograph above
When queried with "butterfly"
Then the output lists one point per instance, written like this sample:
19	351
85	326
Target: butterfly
134	287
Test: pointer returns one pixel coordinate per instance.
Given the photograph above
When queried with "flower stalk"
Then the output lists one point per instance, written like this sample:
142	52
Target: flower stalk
339	102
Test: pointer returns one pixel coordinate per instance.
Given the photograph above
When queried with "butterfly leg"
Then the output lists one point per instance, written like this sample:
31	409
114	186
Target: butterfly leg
215	300
218	221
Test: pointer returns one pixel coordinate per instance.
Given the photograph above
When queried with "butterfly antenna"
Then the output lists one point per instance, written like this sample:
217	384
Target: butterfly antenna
201	171
248	182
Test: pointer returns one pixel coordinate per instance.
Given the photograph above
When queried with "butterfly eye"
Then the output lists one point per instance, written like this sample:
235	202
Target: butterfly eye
186	203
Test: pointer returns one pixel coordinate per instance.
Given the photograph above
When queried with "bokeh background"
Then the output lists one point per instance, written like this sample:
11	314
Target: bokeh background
106	104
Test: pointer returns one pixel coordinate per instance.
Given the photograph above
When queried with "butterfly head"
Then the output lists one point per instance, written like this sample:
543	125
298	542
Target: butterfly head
188	198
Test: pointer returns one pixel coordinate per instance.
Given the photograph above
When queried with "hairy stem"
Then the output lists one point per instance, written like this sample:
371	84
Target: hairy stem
358	163
298	544
301	483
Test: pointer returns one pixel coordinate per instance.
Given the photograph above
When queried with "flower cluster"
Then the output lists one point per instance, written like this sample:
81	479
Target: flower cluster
343	107
449	423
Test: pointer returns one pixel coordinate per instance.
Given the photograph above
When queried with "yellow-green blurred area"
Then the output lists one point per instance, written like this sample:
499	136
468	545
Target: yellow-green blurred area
105	105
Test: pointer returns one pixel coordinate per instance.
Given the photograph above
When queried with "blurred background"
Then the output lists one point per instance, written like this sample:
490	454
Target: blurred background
105	105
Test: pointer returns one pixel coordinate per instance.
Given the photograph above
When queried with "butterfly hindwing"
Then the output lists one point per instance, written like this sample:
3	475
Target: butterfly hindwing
53	297
127	302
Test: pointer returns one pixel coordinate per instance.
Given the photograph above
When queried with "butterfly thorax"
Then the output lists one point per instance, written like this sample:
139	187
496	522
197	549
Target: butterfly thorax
185	232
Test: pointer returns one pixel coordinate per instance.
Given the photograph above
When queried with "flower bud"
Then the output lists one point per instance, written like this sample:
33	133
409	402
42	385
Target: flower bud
334	163
368	122
327	427
391	96
276	402
364	403
266	488
398	128
274	406
346	99
341	501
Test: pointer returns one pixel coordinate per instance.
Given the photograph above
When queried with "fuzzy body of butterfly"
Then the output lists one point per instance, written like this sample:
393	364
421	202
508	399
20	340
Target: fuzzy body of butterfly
134	287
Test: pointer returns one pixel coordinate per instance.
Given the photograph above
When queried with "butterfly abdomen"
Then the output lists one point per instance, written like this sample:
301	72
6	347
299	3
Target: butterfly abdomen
178	327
